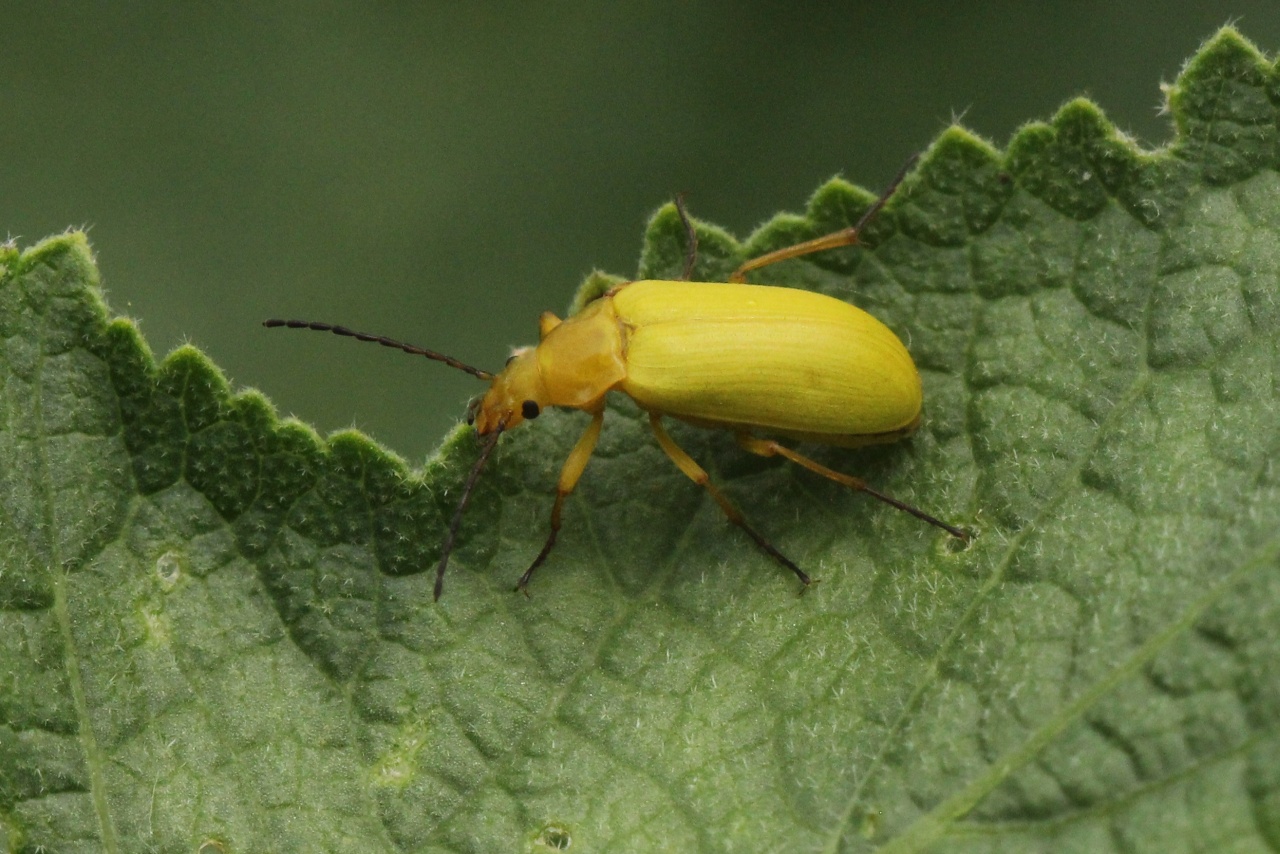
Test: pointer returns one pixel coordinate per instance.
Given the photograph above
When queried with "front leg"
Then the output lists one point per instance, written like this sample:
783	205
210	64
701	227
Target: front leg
569	475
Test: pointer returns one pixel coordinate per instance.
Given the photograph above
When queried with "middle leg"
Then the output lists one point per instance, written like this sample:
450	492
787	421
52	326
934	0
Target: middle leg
698	475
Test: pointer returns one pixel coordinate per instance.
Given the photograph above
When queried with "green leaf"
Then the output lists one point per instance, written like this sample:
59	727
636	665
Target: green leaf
217	631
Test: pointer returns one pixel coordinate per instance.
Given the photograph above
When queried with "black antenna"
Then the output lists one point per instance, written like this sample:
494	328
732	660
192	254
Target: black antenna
445	549
385	342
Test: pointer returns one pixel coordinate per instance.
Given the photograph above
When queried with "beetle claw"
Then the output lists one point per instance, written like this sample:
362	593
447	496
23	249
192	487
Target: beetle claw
808	583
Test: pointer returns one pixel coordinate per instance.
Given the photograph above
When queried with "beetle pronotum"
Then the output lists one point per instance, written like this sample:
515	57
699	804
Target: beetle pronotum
747	358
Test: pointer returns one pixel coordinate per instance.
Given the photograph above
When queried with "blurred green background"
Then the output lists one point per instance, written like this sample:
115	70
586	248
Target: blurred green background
442	172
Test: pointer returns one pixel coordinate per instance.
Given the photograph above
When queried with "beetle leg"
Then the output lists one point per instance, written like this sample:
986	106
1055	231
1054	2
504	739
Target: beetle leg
770	448
834	240
698	475
690	236
569	475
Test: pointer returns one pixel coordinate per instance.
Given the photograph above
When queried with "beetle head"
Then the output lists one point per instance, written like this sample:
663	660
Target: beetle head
516	394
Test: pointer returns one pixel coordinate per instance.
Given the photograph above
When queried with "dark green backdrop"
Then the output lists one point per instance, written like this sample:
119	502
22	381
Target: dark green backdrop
443	172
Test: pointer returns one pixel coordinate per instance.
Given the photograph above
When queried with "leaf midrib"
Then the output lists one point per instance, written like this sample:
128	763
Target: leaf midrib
932	824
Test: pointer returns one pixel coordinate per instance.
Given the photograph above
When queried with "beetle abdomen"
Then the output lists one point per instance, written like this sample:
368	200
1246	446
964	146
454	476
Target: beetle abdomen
754	356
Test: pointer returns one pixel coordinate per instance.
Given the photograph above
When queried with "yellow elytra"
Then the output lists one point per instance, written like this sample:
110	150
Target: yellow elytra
762	362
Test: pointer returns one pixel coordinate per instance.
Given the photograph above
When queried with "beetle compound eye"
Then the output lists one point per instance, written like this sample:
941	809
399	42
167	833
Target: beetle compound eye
530	409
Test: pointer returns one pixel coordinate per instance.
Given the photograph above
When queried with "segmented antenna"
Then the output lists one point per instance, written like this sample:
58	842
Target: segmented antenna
379	339
445	549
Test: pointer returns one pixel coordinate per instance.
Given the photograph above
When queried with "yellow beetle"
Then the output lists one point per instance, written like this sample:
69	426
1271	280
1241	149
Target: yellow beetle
751	359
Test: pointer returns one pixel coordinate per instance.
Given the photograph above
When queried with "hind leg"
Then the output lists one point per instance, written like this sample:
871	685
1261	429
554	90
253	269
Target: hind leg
770	448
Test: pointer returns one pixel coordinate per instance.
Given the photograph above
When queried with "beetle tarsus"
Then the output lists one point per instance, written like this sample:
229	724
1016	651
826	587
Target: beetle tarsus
691	239
522	586
886	193
844	237
805	588
773	552
958	533
772	448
